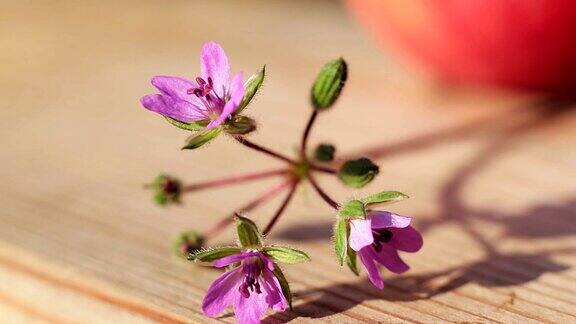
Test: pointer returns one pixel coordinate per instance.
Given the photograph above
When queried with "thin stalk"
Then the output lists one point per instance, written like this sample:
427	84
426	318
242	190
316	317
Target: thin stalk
223	223
323	194
281	209
307	132
233	180
254	146
320	168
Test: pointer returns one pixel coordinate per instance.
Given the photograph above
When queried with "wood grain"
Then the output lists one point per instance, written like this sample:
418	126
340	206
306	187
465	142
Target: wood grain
490	173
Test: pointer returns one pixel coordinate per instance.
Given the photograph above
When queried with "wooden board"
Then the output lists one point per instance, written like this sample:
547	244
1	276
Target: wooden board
491	174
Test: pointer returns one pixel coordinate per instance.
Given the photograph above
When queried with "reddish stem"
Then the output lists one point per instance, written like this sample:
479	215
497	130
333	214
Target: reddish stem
307	132
281	209
323	194
218	227
233	180
254	146
320	168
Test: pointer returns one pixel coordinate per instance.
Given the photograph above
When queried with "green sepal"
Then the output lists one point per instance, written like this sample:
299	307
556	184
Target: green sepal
248	233
210	255
352	209
285	254
341	239
251	87
324	152
202	138
187	242
283	284
240	125
329	84
358	173
191	126
384	197
351	261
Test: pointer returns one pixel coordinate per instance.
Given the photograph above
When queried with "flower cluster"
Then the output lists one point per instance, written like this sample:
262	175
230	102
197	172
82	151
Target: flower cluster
213	104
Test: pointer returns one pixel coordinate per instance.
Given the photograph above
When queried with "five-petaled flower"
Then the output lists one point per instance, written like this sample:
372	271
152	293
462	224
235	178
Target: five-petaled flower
212	98
378	239
250	288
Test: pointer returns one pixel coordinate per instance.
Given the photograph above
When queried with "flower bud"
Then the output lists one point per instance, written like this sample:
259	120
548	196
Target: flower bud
324	152
240	125
187	242
358	173
166	190
329	84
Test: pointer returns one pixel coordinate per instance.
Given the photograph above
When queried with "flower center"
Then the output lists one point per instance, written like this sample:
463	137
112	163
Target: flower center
251	271
203	89
381	236
209	98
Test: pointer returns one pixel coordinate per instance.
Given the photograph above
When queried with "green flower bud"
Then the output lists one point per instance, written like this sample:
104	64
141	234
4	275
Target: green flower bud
187	242
329	84
240	125
324	152
358	173
166	190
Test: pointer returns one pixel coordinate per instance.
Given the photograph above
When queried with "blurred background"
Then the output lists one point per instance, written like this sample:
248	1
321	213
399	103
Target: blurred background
466	106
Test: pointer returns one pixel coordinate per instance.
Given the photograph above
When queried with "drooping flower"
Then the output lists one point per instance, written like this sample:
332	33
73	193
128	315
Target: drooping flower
250	288
256	283
378	238
211	98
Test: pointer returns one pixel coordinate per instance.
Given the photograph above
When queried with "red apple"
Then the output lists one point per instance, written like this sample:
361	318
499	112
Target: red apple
522	43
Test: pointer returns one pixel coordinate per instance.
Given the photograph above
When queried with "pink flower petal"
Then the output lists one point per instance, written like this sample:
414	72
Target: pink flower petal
368	262
267	261
225	261
170	107
177	88
384	219
214	65
250	310
275	298
221	293
236	95
360	234
406	239
389	258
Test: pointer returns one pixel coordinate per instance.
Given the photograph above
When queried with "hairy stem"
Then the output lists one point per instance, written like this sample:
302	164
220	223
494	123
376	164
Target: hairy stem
254	146
233	180
223	223
281	209
323	194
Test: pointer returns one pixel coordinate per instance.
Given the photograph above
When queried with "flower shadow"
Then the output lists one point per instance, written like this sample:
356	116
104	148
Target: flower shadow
491	272
495	269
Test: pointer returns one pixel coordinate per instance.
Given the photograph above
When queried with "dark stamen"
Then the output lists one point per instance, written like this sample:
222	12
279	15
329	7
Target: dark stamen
381	236
251	273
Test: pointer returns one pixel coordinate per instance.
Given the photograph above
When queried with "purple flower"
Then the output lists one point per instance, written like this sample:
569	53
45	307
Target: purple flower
211	98
251	288
378	238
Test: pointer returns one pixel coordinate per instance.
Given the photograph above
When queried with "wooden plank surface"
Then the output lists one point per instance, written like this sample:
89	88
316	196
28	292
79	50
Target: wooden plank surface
491	174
